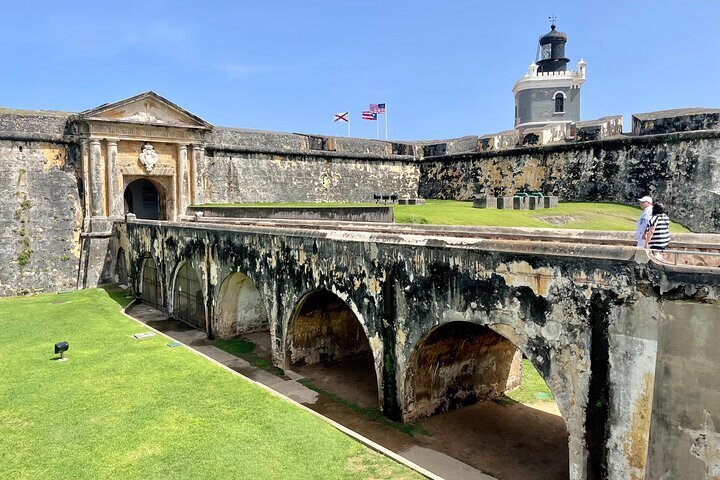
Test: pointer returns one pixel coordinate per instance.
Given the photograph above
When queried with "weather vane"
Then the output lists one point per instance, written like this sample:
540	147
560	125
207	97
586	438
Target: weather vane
552	19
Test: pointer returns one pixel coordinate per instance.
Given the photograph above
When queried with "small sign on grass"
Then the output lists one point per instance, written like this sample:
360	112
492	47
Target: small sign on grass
140	336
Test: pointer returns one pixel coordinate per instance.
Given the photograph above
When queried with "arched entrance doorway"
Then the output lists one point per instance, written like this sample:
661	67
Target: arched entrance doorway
144	199
469	386
188	302
326	343
150	284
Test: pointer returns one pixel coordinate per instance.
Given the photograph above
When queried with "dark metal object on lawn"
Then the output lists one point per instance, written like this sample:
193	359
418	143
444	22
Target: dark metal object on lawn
61	348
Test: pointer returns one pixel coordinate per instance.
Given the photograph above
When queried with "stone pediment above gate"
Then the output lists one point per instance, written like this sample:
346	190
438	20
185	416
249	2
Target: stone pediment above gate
147	115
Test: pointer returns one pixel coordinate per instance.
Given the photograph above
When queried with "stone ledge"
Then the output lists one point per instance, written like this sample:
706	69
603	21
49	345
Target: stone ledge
211	149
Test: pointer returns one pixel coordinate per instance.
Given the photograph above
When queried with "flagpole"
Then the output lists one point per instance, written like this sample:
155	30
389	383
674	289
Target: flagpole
348	122
386	121
377	128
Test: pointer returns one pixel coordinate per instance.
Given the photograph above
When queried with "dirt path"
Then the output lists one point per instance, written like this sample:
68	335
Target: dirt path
506	440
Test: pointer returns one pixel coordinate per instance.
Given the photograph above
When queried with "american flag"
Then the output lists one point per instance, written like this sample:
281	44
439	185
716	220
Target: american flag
377	107
369	115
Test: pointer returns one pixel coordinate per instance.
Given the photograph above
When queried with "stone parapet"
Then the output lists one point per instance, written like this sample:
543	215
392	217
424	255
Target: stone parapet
242	140
678	120
347	214
33	125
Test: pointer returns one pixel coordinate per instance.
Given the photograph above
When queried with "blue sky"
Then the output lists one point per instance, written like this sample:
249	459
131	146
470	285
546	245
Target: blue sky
445	69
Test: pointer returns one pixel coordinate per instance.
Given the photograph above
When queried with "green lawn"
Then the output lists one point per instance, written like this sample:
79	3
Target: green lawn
583	216
533	389
126	408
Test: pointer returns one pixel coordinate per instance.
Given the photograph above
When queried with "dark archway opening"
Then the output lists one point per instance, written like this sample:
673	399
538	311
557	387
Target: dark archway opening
459	364
150	293
188	301
462	387
326	343
143	199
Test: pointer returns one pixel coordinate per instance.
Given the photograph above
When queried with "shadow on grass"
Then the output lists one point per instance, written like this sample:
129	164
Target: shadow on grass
121	296
245	349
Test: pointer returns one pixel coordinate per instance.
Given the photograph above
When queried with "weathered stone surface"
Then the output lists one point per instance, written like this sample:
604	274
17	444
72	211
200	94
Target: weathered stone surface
605	127
679	120
28	124
40	217
249	177
685	435
681	170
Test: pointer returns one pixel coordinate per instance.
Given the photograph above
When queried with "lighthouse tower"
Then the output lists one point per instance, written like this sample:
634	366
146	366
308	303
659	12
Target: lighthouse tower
549	93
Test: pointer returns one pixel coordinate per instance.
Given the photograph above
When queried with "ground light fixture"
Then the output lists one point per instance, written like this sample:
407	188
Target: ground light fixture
61	348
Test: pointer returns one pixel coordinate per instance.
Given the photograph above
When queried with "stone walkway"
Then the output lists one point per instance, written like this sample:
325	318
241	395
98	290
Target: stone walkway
441	465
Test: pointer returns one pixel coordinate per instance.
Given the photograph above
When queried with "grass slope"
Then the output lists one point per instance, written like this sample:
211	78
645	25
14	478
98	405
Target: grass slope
125	408
583	216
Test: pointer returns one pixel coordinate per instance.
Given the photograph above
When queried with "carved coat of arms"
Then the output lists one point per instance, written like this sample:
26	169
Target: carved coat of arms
148	157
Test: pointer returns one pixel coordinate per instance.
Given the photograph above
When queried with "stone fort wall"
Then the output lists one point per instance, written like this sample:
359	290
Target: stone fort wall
255	166
40	205
681	169
674	156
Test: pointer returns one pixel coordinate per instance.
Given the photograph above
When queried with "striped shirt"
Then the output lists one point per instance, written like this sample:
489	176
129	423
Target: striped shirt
661	235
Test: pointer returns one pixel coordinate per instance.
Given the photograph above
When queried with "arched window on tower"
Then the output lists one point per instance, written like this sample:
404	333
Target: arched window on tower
559	102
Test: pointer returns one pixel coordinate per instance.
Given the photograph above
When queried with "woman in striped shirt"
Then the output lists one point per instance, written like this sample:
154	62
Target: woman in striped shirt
658	234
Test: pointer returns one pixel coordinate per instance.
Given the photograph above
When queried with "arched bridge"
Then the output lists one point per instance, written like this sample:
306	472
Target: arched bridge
444	314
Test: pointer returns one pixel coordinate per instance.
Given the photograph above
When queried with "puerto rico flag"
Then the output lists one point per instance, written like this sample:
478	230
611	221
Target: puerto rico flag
369	115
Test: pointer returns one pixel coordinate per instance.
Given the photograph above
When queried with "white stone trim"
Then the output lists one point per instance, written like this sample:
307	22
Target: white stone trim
567	79
547	122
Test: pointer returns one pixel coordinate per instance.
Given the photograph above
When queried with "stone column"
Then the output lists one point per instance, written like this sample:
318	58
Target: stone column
85	154
114	181
183	185
97	180
198	174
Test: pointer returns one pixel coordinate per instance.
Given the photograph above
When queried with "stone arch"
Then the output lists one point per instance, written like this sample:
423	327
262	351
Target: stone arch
458	363
149	282
146	199
188	300
503	336
239	307
324	327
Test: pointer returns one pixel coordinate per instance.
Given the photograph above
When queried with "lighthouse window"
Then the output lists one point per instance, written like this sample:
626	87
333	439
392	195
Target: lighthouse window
559	102
546	51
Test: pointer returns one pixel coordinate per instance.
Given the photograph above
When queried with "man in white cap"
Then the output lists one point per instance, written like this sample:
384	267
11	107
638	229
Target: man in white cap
642	223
